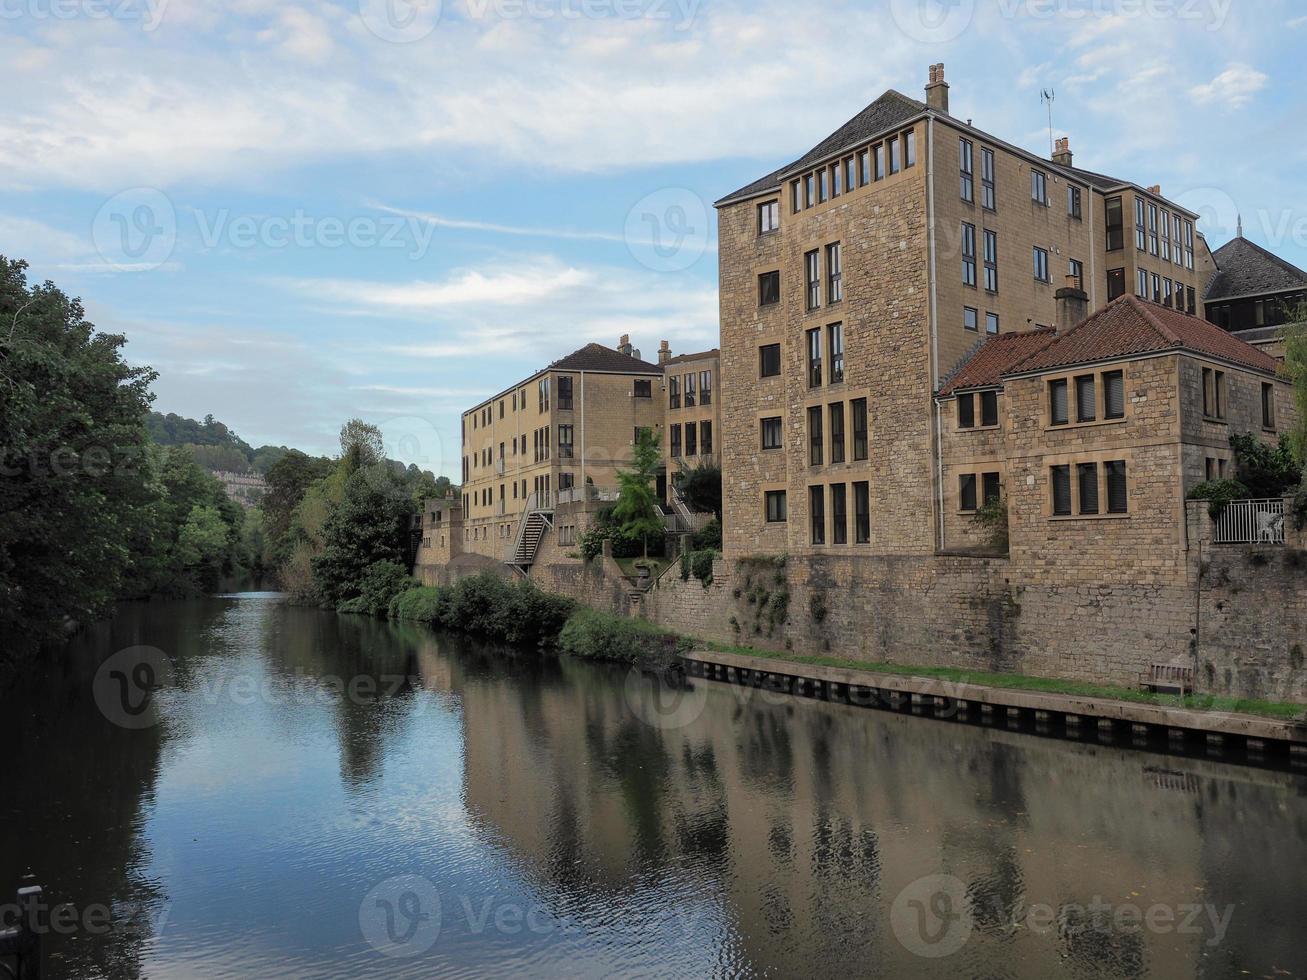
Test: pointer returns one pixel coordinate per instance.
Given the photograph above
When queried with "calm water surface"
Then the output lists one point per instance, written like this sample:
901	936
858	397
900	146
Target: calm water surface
325	796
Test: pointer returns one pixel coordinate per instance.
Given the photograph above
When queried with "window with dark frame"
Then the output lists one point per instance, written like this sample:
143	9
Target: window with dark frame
910	148
1042	273
769	361
967	411
991	323
839	515
1114	395
691	439
1087	476
837	432
814	357
859	409
815	437
812	274
769	288
643	389
970	319
1117	497
1057	403
688	389
564	440
673	392
1141	226
967	164
705	437
769	217
834	274
817	513
1086	399
991	261
1268	406
1060	478
988	198
774	502
835	351
1073	202
675	440
989	408
771	433
1115	284
967	500
1039	187
705	387
862	513
1115	225
991	488
968	254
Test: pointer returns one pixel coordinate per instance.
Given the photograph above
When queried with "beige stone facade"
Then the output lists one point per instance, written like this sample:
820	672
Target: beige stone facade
692	423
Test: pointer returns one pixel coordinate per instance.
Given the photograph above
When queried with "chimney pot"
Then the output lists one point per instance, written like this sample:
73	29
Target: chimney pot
1156	189
937	90
1062	154
1072	304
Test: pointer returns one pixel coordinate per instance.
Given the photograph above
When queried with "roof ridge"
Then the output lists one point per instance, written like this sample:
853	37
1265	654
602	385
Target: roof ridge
1283	263
1152	319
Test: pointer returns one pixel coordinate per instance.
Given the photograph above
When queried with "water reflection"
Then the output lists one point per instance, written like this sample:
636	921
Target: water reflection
310	768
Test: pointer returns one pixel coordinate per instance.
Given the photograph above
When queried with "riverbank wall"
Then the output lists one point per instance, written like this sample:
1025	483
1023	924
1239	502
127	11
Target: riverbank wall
1236	618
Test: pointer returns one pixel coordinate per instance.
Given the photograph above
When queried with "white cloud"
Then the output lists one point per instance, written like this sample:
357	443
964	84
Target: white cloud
1233	88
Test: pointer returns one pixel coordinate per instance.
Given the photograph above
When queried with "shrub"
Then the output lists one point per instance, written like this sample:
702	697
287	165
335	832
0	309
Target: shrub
382	581
519	613
1219	493
420	605
698	564
708	537
599	636
1266	471
992	517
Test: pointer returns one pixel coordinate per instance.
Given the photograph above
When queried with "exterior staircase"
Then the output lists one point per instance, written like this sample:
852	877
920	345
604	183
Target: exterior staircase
535	521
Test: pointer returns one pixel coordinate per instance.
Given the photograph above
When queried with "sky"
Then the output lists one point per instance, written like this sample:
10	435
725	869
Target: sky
302	212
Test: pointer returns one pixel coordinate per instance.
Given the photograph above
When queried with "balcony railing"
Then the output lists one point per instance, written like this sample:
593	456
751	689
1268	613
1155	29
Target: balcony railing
576	495
1251	522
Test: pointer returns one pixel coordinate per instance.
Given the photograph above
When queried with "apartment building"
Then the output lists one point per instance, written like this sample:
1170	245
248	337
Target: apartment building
856	279
1254	294
692	425
568	427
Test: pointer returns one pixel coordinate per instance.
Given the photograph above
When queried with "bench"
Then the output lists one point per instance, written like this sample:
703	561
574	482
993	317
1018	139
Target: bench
1169	679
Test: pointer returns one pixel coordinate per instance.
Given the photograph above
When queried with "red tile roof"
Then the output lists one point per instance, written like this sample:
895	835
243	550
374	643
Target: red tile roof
1131	326
995	358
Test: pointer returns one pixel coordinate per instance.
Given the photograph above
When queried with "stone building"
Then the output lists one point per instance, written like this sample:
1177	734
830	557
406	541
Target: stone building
854	280
1255	294
692	428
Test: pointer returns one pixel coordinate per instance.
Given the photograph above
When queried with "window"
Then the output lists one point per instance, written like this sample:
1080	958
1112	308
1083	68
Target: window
837	432
809	191
814	357
1141	229
1114	395
1213	393
705	387
643	389
676	440
1268	406
910	148
1076	269
968	172
1166	292
1117	498
850	173
1164	222
688	387
705	437
812	276
823	186
970	319
991	323
991	261
989	408
1086	399
565	442
1141	288
542	395
895	162
967	492
835	348
880	161
966	411
839	516
837	180
774	501
673	392
993	488
1041	264
1190	305
769	217
861	513
1153	246
834	274
817	507
1157	288
988	199
968	254
771	433
1115	225
815	457
864	168
769	360
1039	187
796	197
769	288
859	407
1057	403
1061	480
1115	284
1073	202
691	439
1087	477
1189	245
564	395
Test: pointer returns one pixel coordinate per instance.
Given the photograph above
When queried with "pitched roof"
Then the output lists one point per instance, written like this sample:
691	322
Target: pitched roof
995	357
1101	181
597	357
886	112
1131	326
1246	269
694	356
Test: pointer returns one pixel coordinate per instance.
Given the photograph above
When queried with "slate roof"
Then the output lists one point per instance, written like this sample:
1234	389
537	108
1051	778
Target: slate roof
885	113
597	357
694	356
1130	326
1246	269
995	357
1101	181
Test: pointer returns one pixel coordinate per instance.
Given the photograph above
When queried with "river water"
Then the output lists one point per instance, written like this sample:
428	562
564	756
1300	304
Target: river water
307	795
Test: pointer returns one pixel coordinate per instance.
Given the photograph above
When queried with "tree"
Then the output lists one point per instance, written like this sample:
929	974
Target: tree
360	444
289	479
73	444
701	489
637	512
1295	364
371	524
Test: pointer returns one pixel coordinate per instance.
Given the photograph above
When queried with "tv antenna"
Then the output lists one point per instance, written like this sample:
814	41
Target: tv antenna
1048	95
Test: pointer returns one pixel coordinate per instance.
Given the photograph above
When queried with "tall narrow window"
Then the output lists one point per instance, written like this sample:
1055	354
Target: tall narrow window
859	406
861	513
1117	497
1268	406
705	387
564	396
1141	287
991	261
565	441
1141	226
992	488
967	492
812	274
1114	395
1041	264
814	357
1060	477
1153	239
895	161
691	439
910	148
839	515
837	432
968	164
796	196
864	168
988	198
1087	475
1164	224
879	153
834	274
673	392
1073	202
769	217
1039	187
967	411
1115	284
1057	403
835	349
676	440
989	408
809	190
817	513
837	180
815	455
1086	399
823	186
689	389
968	254
705	437
1076	270
1115	225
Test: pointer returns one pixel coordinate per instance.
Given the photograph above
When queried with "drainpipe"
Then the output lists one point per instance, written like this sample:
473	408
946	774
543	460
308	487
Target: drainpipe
934	317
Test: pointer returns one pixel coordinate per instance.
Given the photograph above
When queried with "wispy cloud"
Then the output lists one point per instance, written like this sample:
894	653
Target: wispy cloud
1234	87
565	234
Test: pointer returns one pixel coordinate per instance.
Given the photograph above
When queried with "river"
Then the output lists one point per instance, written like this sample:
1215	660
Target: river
310	795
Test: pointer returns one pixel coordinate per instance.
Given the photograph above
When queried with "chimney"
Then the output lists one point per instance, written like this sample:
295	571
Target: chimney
1062	156
937	90
624	346
1072	304
1156	189
664	352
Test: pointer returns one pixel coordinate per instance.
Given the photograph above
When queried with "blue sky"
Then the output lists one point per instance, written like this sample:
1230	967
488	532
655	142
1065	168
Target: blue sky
303	212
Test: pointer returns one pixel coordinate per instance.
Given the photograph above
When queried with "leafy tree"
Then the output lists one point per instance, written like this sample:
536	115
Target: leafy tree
381	583
701	489
1295	364
203	546
360	444
72	450
1266	471
637	511
289	479
370	525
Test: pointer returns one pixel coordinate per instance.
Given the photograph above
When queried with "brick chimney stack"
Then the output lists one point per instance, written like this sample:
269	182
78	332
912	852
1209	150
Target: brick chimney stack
624	346
1072	304
664	352
1062	156
1156	189
937	90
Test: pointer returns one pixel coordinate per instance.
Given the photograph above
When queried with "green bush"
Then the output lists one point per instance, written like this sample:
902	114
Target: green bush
382	582
599	636
708	537
519	613
698	564
1218	494
1266	471
420	605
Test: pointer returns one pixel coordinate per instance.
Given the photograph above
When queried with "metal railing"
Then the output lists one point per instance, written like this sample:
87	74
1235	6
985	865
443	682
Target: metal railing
576	495
1251	522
